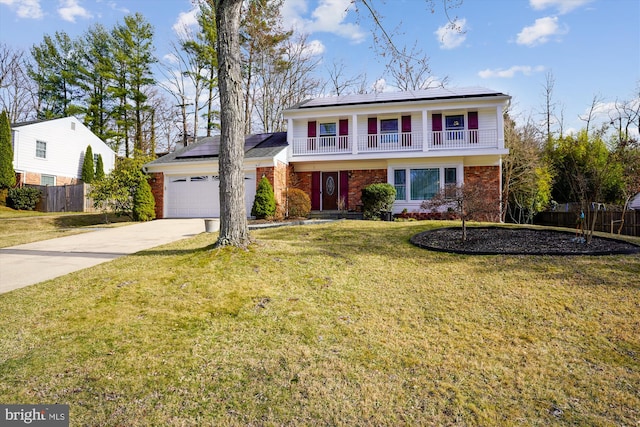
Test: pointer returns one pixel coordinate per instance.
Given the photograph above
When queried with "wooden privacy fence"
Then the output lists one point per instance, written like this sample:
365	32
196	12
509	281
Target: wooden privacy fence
64	198
604	221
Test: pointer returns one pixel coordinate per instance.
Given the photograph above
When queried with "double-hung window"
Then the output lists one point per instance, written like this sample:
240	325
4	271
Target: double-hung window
450	182
328	134
400	183
389	130
41	149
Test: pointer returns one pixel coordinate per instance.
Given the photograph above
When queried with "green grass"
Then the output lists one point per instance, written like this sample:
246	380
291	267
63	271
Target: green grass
338	324
18	227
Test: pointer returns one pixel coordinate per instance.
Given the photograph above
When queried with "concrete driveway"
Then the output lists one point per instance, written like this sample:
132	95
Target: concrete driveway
31	263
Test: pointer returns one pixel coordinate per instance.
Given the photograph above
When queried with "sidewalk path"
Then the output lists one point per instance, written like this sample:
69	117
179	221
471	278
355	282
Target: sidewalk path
31	263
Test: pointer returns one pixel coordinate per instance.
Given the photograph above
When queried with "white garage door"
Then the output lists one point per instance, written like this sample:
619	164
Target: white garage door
198	196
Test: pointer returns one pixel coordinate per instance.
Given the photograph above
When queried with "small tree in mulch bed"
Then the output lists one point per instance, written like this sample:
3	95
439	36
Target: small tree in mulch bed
264	204
469	201
144	205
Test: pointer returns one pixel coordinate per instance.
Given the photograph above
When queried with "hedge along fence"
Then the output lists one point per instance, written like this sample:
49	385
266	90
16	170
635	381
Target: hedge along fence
631	226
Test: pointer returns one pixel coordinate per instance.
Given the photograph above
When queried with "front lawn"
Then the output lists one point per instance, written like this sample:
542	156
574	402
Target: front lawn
337	324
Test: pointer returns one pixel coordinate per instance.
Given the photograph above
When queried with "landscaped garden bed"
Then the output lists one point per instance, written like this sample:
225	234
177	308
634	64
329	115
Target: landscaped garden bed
519	241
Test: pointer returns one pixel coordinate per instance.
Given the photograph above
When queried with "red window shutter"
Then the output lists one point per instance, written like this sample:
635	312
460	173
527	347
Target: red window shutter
343	127
315	191
344	188
473	119
311	129
406	123
406	131
372	125
436	122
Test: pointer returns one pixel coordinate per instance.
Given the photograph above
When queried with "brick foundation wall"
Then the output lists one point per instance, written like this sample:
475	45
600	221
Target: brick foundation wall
156	181
33	178
489	178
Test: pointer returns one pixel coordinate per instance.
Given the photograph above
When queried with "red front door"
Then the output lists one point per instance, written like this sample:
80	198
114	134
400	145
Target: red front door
330	191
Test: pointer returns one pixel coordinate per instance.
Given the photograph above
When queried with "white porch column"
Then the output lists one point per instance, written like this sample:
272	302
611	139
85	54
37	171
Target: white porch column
289	139
425	130
500	122
354	127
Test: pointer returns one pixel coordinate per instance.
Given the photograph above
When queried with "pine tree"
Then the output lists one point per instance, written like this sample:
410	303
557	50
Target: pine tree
99	169
144	205
88	169
7	174
264	204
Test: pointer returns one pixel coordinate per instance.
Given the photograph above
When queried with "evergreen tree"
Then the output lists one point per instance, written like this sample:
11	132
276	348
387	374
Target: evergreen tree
96	71
264	204
88	169
144	205
55	72
133	55
7	174
99	169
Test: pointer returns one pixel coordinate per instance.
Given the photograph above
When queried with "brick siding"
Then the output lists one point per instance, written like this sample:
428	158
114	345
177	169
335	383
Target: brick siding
32	178
489	178
156	181
278	177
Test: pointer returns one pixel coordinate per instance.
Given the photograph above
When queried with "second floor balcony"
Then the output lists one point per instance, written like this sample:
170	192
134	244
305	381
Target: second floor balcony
397	142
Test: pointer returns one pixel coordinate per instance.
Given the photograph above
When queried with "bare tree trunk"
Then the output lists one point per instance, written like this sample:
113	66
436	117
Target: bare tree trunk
233	219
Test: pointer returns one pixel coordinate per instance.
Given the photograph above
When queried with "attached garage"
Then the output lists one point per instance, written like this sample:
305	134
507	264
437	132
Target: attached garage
199	196
185	183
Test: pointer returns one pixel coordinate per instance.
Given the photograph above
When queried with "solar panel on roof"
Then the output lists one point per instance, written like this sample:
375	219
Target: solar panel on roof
369	98
209	148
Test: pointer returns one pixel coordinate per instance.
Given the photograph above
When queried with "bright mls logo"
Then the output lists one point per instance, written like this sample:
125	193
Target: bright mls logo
34	415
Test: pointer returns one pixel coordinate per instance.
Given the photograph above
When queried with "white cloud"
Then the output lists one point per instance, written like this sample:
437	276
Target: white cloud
379	86
563	6
451	36
25	8
327	17
526	70
186	21
69	10
314	48
540	31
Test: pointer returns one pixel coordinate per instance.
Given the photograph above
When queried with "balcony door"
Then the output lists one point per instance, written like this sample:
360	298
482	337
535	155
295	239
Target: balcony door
330	191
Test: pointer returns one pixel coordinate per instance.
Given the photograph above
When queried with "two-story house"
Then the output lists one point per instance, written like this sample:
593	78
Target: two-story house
51	152
418	141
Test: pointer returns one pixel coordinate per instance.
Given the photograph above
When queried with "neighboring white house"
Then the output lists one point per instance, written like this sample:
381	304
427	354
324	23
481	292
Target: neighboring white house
418	141
51	152
634	203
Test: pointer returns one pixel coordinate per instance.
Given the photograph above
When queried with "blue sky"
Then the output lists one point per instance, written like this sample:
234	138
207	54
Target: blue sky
592	47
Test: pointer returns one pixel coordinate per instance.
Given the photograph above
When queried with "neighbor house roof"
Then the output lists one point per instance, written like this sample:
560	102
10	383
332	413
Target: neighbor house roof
385	97
262	145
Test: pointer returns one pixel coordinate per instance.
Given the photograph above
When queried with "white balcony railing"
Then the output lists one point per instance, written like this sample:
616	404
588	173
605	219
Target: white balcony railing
390	142
463	139
322	145
403	141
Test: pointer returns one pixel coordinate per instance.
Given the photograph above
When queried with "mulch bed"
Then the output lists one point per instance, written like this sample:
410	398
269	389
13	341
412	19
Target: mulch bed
518	241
